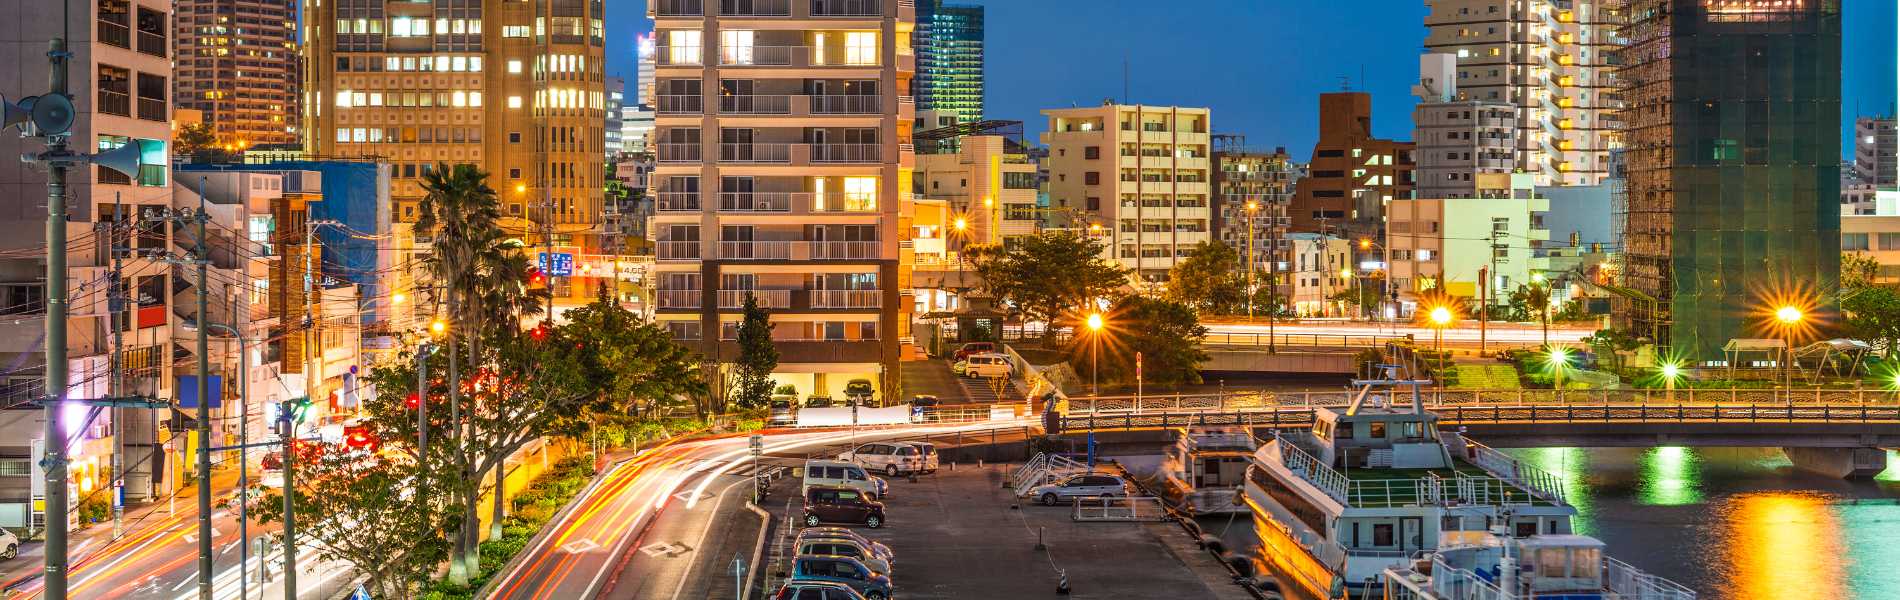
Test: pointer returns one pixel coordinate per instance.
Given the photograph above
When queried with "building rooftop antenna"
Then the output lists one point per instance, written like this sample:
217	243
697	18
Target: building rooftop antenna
1345	84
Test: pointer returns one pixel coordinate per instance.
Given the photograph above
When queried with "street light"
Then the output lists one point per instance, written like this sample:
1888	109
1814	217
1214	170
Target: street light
439	326
1441	317
1670	372
1561	358
1095	365
1789	316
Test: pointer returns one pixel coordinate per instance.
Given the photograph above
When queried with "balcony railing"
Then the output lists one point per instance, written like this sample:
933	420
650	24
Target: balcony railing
767	298
847	298
755	55
755	105
847	105
680	8
755	202
115	34
679	298
679	55
676	250
847	153
153	44
844	202
755	8
846	8
755	250
679	153
853	56
755	153
114	103
153	109
844	250
678	202
680	105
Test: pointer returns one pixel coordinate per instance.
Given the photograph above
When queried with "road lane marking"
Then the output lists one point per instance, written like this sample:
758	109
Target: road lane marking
702	536
580	546
188	581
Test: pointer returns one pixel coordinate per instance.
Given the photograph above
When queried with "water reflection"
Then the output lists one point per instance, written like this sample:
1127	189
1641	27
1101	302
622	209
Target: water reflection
1735	523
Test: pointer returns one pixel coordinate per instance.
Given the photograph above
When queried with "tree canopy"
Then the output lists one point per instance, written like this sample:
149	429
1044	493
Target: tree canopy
752	372
1165	333
1874	315
1051	275
1208	280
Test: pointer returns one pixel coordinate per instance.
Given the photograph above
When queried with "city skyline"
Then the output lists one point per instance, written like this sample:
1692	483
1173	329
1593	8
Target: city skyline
1192	58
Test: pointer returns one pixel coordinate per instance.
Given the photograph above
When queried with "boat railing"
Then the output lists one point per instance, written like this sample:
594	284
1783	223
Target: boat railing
1538	482
1631	582
1620	582
1312	470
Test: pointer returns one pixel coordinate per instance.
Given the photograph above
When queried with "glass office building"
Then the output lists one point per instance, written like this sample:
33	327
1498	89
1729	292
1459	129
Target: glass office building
1731	136
949	40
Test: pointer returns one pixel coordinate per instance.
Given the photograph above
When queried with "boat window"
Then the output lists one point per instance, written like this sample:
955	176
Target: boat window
1323	430
1346	430
1414	430
1583	562
1378	431
1550	562
1382	534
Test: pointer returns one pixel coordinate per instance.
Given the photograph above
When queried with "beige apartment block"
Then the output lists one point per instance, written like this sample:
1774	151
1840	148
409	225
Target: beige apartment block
1141	172
1551	59
1438	245
968	189
515	88
783	171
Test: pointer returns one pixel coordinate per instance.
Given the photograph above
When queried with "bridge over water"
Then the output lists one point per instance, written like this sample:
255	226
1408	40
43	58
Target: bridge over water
1842	433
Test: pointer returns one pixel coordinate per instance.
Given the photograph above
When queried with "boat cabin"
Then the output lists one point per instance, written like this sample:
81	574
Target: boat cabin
1379	437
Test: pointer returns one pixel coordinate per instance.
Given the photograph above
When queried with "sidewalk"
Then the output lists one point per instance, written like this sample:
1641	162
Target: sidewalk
84	543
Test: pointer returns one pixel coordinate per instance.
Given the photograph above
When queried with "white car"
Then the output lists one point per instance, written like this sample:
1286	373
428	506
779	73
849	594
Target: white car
988	364
9	545
1087	485
891	459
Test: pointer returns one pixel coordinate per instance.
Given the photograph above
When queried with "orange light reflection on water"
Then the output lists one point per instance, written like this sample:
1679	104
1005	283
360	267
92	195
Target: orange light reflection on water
1783	543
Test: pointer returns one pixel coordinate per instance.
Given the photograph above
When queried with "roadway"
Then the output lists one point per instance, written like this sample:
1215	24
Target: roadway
650	528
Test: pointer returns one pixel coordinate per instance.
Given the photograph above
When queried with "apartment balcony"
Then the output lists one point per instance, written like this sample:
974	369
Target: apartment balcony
1493	163
679	56
755	250
679	105
847	8
847	298
679	8
684	153
847	153
678	298
678	202
845	250
755	105
767	298
798	56
115	34
153	109
847	105
755	8
676	250
1497	122
114	103
1497	142
153	44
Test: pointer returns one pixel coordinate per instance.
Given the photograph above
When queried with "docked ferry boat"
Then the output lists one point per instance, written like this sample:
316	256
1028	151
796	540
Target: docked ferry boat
1499	566
1376	486
1205	468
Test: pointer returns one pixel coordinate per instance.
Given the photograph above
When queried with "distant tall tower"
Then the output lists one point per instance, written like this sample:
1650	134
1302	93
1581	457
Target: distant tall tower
949	42
1732	209
241	71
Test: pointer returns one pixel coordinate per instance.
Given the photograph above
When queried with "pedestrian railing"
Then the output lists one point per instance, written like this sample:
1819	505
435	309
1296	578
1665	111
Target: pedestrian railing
1434	397
1132	509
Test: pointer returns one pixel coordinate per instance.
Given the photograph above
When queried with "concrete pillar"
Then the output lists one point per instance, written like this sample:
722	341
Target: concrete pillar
1839	462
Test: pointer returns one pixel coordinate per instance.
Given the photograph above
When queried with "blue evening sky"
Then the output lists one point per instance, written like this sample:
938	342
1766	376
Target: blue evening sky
1258	64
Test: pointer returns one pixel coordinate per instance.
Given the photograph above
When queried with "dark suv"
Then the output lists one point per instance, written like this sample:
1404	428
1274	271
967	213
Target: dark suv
839	504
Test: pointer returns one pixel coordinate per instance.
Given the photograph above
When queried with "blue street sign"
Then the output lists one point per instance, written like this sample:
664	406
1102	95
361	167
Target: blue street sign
188	391
562	265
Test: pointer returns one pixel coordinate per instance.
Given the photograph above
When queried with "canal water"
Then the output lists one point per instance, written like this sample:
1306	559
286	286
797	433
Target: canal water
1729	523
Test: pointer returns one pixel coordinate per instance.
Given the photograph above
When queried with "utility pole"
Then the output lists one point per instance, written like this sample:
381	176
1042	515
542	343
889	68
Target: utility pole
54	461
202	255
1484	301
312	366
115	305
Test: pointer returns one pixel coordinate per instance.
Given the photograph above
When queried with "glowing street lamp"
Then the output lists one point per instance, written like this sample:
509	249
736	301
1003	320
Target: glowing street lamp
1670	372
1789	317
1441	317
1560	358
439	326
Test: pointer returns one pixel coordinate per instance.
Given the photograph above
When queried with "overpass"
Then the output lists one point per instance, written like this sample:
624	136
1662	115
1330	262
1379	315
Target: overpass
1843	439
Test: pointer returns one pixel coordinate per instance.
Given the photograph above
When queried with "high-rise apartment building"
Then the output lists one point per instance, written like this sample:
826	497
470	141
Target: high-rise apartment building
515	88
1252	188
1457	138
782	170
1140	172
1551	60
1352	174
610	130
1731	210
237	63
950	58
1874	150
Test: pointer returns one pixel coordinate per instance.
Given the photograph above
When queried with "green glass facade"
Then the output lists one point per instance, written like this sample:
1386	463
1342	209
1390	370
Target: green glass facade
950	59
1734	168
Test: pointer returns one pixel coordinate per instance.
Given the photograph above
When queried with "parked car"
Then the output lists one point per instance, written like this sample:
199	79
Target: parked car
844	570
973	348
846	474
818	402
838	504
988	365
957	368
923	409
9	545
816	590
929	452
784	410
882	551
859	390
1087	485
823	546
892	459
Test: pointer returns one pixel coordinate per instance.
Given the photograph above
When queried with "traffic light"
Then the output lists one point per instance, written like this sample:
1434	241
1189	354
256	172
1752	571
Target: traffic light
535	279
414	401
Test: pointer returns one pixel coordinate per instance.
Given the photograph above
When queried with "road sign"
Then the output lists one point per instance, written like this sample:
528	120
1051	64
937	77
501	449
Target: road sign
562	263
757	444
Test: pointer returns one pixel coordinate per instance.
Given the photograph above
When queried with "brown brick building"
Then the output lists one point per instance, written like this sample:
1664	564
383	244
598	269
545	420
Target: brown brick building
1352	174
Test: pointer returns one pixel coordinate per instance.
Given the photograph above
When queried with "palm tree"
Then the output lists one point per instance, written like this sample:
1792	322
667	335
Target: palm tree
1537	297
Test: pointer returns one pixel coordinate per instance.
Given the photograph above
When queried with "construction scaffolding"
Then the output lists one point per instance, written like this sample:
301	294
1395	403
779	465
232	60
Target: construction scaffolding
1643	198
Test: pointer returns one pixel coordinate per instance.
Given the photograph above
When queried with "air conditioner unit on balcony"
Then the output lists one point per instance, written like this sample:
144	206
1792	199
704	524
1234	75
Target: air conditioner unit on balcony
765	206
664	205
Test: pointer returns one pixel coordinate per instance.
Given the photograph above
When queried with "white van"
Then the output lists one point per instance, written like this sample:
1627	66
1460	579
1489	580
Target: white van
987	364
841	473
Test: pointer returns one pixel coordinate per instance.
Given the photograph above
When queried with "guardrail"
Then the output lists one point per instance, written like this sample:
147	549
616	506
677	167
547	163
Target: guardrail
1132	509
1432	397
1572	414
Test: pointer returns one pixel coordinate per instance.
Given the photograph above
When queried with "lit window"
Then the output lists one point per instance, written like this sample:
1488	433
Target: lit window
392	64
683	47
359	99
474	98
460	99
474	26
342	136
359	135
1462	53
474	63
428	63
460	63
514	66
458	27
409	63
514	102
441	63
375	98
860	48
343	99
441	26
375	135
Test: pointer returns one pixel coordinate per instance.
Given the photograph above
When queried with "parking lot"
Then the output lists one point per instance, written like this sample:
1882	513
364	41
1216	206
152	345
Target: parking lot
955	535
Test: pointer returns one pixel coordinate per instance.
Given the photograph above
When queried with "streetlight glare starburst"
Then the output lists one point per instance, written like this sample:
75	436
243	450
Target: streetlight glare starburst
960	224
1788	314
439	326
1095	321
1441	316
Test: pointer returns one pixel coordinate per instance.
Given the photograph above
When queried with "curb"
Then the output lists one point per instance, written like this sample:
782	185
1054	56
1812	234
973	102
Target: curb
758	553
514	562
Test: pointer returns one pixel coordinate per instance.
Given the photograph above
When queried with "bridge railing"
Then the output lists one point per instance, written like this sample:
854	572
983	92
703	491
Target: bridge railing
1303	339
1745	412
